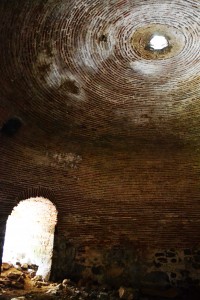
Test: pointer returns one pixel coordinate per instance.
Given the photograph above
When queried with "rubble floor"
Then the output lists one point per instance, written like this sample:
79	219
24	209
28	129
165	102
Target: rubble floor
21	284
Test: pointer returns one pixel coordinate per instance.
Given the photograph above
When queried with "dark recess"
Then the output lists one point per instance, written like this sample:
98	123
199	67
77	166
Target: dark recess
11	126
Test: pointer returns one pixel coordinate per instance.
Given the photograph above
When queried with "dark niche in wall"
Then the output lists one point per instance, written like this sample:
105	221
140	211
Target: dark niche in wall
11	126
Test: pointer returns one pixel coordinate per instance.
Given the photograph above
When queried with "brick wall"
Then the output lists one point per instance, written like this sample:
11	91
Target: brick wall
146	196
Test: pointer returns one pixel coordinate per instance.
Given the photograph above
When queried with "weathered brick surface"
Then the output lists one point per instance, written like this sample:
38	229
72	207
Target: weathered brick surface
55	67
149	197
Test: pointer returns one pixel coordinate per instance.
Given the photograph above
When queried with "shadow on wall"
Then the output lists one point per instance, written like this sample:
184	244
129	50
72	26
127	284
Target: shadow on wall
29	234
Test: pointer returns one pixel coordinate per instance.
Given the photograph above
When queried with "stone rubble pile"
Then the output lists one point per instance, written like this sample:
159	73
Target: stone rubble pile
15	278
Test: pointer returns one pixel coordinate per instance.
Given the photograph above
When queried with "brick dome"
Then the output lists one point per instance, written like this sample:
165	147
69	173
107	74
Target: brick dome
105	124
83	68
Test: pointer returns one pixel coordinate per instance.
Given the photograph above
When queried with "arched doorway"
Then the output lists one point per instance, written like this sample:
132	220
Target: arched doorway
30	234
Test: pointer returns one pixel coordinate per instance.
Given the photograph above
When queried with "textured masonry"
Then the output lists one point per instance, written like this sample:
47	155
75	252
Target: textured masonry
110	132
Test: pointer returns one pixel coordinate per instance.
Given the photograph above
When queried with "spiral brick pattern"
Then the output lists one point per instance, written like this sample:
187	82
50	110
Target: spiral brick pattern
83	65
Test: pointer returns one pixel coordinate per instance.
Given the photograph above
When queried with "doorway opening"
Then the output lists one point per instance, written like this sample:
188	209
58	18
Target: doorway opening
29	236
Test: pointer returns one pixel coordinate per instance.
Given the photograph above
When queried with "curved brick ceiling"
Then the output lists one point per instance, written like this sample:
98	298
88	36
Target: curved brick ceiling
84	67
